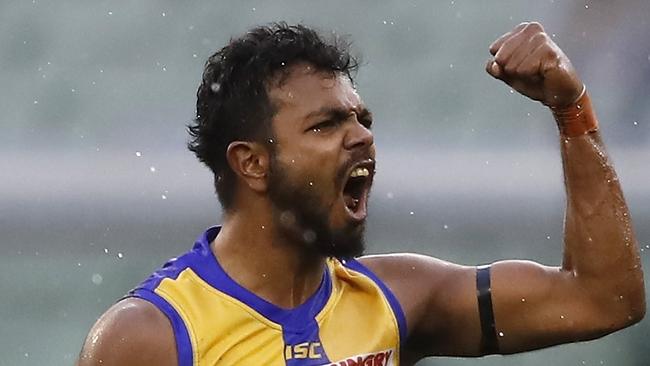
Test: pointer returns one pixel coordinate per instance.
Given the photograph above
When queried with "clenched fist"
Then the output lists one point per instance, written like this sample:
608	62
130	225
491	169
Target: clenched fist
531	63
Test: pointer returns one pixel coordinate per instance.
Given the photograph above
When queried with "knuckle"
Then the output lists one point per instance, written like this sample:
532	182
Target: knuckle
510	69
535	26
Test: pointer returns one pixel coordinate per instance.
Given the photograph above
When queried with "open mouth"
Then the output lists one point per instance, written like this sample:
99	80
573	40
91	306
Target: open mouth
357	188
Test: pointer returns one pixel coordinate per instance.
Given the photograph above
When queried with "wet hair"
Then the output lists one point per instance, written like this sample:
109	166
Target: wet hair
233	102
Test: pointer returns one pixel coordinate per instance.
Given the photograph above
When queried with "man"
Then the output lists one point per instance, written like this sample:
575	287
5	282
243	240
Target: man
289	141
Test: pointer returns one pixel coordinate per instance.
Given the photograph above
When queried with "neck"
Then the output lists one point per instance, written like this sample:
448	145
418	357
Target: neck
256	255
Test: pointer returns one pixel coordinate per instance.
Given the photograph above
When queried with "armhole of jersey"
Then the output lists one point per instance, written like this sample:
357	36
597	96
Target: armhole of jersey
181	335
392	300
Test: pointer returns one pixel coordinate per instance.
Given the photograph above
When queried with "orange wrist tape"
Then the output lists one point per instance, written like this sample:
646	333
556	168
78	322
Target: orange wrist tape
576	119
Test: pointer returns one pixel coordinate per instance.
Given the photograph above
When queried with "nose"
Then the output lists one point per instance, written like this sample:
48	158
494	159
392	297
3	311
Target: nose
358	136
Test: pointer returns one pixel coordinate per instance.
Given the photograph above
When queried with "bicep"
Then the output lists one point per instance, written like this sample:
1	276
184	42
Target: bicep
534	306
131	332
537	306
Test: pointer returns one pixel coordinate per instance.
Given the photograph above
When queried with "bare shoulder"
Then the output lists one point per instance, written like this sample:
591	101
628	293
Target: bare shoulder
399	270
131	332
430	291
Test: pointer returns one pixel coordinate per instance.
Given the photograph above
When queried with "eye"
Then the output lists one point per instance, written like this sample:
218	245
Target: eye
324	126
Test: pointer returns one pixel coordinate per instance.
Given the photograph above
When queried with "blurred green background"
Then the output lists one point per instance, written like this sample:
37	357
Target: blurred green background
97	188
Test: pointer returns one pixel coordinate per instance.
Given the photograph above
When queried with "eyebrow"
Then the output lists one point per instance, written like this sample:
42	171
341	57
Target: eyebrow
339	113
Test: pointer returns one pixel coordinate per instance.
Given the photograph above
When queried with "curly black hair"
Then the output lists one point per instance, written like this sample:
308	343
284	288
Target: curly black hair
232	100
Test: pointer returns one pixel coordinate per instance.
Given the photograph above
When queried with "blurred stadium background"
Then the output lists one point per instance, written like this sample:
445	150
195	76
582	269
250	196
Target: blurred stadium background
97	188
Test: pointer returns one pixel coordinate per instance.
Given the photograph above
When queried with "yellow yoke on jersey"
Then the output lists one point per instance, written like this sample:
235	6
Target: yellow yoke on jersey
353	319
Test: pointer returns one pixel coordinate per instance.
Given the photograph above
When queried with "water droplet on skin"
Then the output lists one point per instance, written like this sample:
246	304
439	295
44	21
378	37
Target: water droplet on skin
311	184
500	334
413	268
523	299
620	297
263	227
97	279
561	316
215	87
270	141
263	275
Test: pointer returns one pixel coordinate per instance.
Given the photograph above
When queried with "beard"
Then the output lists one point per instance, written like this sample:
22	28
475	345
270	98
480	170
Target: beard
303	218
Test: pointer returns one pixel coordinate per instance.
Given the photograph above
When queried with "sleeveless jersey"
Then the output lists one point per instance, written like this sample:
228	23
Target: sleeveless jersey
353	319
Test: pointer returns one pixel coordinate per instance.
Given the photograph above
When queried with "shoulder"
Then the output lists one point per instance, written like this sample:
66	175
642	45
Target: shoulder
131	332
422	284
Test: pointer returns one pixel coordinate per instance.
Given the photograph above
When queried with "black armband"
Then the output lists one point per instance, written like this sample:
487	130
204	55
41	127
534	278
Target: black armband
489	342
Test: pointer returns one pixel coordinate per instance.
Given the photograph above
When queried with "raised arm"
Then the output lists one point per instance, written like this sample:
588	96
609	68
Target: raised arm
599	287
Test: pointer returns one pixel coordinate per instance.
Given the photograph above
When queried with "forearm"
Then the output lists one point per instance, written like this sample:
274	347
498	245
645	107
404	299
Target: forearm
601	251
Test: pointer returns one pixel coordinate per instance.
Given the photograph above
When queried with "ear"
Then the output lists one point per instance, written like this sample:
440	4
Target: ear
250	161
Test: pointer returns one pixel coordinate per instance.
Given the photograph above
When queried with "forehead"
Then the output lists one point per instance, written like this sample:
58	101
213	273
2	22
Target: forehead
304	91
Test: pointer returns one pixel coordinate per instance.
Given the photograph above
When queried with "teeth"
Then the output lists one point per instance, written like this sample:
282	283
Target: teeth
360	172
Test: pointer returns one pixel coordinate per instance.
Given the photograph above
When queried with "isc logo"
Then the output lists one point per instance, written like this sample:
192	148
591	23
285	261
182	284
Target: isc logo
303	350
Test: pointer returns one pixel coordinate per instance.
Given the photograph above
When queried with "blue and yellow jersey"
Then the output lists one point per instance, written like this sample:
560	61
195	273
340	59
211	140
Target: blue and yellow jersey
352	319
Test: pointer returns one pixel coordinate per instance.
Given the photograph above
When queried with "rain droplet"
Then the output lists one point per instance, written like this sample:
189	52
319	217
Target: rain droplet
451	66
215	87
152	169
120	255
309	236
163	196
106	250
390	195
548	237
26	355
110	13
138	154
97	279
35	101
636	123
445	226
163	13
586	6
411	213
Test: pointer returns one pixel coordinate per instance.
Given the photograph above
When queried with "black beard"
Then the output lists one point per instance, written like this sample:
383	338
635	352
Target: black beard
302	218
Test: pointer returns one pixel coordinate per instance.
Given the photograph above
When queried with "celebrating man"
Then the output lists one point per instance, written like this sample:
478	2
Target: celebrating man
283	281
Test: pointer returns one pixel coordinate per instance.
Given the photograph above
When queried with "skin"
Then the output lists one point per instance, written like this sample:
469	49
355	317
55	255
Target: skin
598	288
